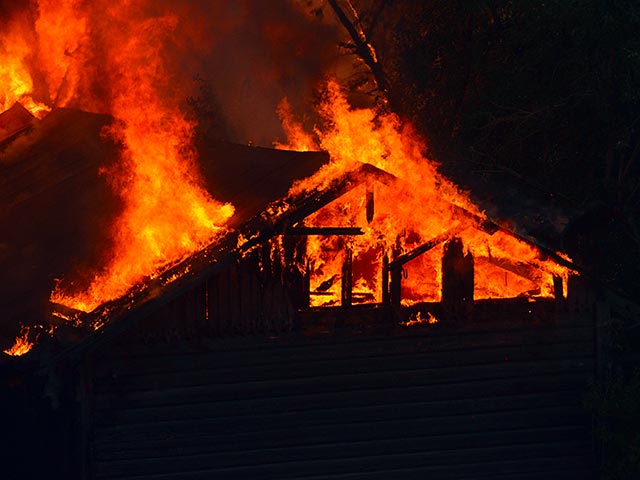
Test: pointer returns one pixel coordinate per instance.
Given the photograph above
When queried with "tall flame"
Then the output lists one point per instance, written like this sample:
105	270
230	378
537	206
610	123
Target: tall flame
167	214
62	35
16	84
420	209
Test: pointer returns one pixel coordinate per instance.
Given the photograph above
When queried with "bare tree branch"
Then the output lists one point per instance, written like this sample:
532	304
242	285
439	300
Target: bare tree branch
362	46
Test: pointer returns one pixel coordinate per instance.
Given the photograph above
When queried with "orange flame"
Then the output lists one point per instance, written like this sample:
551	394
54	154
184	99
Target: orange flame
297	138
16	84
62	35
167	214
22	345
420	208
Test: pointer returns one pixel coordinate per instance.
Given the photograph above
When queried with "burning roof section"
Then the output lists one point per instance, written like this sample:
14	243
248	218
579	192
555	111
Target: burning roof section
390	219
295	214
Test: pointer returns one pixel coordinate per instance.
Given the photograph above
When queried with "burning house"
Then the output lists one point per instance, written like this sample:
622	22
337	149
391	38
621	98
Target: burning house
302	340
180	307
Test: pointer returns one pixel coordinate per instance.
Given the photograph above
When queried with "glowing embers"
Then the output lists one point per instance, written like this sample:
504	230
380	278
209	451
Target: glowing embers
418	318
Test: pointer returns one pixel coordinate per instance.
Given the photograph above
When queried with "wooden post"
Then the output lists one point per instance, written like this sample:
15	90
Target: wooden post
558	292
370	204
385	279
307	284
457	281
347	277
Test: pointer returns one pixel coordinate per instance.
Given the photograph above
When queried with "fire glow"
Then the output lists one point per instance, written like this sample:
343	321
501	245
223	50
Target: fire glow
421	208
167	214
108	57
22	344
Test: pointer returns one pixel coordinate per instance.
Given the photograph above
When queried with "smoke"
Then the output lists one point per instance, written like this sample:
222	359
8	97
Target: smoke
248	54
137	62
251	54
9	7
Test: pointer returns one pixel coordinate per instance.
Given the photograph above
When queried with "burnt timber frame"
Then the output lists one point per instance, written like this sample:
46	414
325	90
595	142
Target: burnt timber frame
281	217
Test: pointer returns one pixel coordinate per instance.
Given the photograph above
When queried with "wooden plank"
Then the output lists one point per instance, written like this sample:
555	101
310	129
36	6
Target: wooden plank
488	459
198	445
379	387
255	352
412	473
308	411
343	430
410	367
188	368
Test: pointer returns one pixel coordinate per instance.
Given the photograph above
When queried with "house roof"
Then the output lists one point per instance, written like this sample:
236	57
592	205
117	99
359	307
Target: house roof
56	207
51	177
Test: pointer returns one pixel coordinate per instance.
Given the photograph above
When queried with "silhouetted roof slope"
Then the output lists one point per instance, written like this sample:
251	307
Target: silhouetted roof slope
56	207
252	177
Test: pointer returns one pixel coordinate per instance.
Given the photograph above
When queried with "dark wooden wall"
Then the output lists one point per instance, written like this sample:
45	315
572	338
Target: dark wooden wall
497	399
259	293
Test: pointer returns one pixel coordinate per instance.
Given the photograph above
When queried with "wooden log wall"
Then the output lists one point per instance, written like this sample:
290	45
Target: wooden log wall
496	401
260	293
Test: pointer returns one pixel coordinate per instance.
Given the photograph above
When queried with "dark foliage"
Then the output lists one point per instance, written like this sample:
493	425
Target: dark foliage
549	90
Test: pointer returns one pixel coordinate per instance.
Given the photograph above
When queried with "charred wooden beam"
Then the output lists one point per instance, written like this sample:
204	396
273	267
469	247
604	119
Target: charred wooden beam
385	279
63	315
347	278
323	231
395	267
395	288
481	223
524	270
306	287
558	292
370	203
457	281
424	248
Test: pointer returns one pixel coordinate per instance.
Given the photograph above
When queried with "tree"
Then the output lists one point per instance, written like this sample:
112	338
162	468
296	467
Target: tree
547	89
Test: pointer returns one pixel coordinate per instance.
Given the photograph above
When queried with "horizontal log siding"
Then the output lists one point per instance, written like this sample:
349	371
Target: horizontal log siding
500	403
